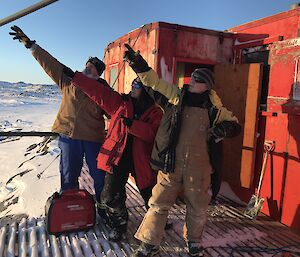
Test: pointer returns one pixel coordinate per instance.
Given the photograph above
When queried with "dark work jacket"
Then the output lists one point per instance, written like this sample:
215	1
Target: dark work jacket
164	151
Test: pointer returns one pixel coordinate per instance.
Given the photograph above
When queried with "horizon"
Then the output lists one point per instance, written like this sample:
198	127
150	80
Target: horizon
28	83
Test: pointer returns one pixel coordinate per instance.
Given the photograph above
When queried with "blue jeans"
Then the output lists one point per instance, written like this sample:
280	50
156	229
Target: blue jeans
71	161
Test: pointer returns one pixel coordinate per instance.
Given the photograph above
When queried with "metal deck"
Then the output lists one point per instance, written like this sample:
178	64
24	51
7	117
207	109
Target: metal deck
228	233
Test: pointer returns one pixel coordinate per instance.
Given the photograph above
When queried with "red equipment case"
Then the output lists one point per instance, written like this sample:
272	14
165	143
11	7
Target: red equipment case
70	211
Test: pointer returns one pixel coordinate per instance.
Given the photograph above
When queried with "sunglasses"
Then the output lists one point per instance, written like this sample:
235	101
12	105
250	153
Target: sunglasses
136	85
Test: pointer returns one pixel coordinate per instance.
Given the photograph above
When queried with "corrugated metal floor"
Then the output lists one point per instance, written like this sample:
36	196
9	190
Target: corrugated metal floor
228	233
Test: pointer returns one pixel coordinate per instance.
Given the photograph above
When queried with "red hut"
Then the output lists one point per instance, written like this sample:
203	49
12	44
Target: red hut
257	77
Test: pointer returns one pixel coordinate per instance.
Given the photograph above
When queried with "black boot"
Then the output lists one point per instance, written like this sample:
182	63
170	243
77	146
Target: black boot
169	225
117	233
102	214
195	249
145	250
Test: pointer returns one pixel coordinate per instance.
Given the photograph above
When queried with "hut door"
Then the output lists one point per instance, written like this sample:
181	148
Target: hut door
239	89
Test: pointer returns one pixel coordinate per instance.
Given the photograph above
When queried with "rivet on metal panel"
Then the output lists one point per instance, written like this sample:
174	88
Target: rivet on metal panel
129	40
175	32
221	37
119	44
154	51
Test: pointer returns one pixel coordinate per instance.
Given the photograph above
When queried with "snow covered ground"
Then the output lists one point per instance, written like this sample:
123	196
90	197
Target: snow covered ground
26	107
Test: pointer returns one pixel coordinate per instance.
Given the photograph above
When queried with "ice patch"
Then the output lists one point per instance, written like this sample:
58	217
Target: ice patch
23	158
5	124
10	102
226	191
23	122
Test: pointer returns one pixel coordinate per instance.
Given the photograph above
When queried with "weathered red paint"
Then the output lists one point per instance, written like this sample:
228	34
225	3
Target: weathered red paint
165	45
281	121
175	50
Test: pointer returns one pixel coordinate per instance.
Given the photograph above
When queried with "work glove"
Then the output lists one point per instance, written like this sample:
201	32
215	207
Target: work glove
127	122
125	97
68	72
21	36
135	60
226	129
218	132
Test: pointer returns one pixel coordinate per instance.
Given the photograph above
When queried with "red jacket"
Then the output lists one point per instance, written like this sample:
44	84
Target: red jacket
143	130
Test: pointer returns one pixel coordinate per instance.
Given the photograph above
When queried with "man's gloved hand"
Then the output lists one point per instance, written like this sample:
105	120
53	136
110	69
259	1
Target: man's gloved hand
218	131
21	36
135	60
127	122
68	72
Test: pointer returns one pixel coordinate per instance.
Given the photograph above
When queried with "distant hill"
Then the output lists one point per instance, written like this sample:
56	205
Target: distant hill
21	92
21	83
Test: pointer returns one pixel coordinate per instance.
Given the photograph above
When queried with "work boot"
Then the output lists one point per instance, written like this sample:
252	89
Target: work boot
117	233
103	215
146	250
195	249
169	225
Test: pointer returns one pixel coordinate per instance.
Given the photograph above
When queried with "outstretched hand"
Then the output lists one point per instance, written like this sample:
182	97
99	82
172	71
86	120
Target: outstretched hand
135	60
129	54
21	36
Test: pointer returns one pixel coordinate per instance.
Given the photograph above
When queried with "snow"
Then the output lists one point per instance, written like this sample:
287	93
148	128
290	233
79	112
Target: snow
27	107
226	191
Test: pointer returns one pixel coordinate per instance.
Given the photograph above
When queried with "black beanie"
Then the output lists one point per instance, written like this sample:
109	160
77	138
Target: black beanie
99	65
204	75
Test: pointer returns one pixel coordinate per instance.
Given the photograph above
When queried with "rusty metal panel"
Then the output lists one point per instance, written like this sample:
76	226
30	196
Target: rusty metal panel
161	44
281	182
284	24
197	46
271	186
145	44
239	88
143	39
266	31
282	187
284	57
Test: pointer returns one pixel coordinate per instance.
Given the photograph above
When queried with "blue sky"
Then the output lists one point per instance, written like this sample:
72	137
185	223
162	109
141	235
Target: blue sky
72	30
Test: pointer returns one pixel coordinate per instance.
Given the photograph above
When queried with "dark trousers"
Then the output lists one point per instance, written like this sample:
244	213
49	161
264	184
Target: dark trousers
72	153
146	193
113	197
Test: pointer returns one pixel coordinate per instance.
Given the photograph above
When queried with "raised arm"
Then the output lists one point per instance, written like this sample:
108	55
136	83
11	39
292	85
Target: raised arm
158	98
149	77
104	96
50	65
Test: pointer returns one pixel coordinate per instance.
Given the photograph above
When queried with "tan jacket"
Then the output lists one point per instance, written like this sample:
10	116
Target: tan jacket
172	92
78	116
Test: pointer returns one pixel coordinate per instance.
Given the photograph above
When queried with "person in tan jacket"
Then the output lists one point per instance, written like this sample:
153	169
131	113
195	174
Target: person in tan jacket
194	119
79	122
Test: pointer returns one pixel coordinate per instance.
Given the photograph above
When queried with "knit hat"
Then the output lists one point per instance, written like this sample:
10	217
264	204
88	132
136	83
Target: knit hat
204	75
99	65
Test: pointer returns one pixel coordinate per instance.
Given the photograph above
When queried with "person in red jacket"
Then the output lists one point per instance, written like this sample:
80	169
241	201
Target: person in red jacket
127	148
